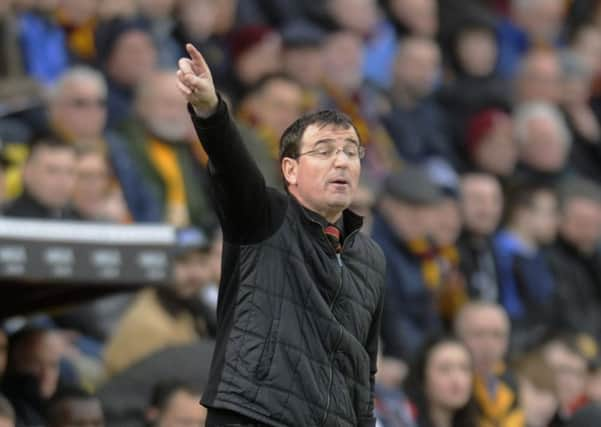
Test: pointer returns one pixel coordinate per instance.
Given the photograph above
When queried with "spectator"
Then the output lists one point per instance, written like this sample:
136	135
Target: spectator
301	43
416	122
481	206
78	20
32	373
159	15
490	144
568	356
73	406
196	23
527	284
256	51
175	404
344	90
391	406
97	195
169	315
532	23
484	328
77	113
585	130
157	142
439	385
404	213
539	77
544	142
77	107
537	391
413	17
49	181
127	55
471	56
42	41
7	413
267	109
575	257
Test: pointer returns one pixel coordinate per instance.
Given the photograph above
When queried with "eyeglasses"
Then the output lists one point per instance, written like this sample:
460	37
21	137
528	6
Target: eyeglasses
327	151
87	102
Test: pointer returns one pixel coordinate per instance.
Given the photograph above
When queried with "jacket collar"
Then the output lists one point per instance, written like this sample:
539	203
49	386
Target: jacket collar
348	223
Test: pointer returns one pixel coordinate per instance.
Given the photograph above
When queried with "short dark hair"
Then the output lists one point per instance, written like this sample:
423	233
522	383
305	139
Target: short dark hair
165	390
291	138
6	409
520	194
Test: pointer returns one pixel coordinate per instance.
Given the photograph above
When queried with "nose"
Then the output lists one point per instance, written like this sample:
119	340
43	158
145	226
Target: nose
341	159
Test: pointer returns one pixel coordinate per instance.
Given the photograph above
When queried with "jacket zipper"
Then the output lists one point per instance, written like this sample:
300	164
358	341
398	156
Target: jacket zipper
335	349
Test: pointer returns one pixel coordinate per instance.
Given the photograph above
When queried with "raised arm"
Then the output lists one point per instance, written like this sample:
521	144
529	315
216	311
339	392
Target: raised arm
239	190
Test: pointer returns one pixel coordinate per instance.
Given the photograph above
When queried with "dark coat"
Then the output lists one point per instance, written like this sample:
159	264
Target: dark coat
298	325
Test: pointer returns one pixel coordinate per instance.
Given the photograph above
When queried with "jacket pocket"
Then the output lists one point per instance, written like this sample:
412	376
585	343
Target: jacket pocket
268	351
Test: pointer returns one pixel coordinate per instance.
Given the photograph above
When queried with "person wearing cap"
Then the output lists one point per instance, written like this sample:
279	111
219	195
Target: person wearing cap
168	315
301	288
405	210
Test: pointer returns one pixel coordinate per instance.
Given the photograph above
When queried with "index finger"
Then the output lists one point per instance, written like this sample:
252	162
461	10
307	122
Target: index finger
197	58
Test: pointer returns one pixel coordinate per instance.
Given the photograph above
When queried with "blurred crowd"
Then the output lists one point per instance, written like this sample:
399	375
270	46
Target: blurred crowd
481	121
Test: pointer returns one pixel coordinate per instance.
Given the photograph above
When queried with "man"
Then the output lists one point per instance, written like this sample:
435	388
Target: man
32	375
49	181
158	141
575	258
484	328
301	288
169	315
481	206
75	407
404	213
527	285
175	404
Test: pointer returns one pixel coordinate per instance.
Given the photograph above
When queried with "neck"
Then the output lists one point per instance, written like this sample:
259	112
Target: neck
440	417
331	215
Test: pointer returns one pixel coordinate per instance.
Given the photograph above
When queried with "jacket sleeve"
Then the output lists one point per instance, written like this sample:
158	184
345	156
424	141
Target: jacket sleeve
237	186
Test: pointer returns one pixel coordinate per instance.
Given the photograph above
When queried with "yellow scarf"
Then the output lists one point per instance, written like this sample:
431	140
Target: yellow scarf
164	158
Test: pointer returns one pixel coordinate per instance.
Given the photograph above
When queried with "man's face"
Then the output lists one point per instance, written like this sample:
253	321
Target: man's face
80	111
343	60
570	370
163	110
498	152
50	176
416	67
485	331
324	185
545	149
41	358
420	16
481	203
278	105
183	410
581	223
543	217
81	413
133	57
305	64
192	272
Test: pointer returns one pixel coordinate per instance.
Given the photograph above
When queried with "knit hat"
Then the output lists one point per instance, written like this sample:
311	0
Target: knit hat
480	125
247	38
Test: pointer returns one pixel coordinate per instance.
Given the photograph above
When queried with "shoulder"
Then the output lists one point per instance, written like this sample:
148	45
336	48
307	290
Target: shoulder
372	253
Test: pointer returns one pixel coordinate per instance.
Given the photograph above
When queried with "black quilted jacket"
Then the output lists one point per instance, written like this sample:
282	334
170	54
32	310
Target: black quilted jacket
297	325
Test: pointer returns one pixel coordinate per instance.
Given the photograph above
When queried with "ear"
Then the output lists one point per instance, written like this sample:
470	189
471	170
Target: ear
290	170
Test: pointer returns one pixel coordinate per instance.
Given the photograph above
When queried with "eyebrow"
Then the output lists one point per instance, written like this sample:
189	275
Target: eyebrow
329	140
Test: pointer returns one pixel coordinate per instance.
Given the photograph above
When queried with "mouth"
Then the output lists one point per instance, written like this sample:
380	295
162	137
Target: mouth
339	181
